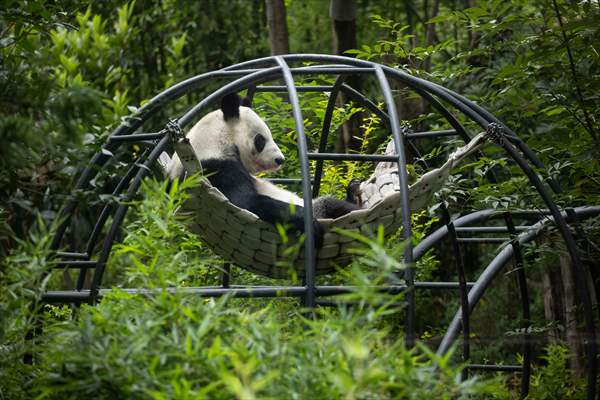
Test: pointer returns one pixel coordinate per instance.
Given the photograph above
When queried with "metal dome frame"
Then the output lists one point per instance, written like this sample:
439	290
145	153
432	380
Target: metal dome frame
252	76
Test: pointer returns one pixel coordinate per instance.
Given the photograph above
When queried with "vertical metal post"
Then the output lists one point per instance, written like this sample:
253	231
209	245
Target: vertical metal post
226	275
309	237
405	206
464	296
524	295
589	341
325	131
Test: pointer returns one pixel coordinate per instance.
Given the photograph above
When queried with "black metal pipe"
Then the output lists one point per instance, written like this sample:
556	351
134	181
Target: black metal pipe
524	295
105	213
589	340
405	205
492	269
137	137
309	238
362	100
431	134
279	88
226	275
484	240
495	367
351	157
73	255
75	264
328	116
119	215
464	300
87	296
489	229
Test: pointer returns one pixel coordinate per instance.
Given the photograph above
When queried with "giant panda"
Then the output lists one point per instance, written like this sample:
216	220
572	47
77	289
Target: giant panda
234	143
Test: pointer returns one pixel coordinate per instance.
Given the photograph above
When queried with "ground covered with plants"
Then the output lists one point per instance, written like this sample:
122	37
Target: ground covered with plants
70	72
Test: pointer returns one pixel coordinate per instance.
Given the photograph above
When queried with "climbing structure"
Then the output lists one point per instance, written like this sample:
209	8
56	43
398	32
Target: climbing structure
151	132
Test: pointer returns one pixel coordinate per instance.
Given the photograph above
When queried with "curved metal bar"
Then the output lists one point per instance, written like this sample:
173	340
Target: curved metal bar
438	235
529	154
358	97
460	130
101	220
234	86
119	215
325	131
127	127
309	237
589	341
475	112
487	276
105	210
405	206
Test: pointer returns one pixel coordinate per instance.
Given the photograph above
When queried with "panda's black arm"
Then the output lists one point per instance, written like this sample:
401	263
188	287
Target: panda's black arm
279	212
232	179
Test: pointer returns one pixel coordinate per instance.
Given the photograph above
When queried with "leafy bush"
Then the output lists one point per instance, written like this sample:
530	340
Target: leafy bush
176	346
555	380
173	345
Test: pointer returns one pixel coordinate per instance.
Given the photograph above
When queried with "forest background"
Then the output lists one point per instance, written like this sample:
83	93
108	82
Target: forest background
70	71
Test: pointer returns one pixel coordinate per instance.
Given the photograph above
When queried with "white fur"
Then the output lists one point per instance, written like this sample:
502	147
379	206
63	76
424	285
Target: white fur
268	189
213	137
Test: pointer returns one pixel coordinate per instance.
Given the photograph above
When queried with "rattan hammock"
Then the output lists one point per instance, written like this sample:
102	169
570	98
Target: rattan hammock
242	238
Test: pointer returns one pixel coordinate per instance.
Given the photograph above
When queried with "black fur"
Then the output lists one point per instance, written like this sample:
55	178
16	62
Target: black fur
259	142
330	207
230	105
234	181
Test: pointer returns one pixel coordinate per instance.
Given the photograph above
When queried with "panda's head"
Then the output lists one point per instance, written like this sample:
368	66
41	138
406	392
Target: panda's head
251	136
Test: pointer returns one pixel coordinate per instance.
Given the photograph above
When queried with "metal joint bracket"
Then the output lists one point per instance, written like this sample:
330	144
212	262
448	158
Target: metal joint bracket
495	133
174	130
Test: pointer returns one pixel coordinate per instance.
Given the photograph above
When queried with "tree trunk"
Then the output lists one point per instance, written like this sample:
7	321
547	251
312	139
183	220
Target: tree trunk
573	336
430	33
553	307
278	33
343	19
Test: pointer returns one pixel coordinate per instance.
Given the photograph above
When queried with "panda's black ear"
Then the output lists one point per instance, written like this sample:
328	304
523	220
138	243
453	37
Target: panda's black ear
230	105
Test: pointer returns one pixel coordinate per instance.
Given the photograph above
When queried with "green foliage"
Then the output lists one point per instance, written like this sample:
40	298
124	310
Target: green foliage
23	278
173	346
555	380
159	249
70	72
512	57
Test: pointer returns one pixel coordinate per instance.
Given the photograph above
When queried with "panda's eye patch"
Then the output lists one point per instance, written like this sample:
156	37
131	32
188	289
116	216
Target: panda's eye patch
259	142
